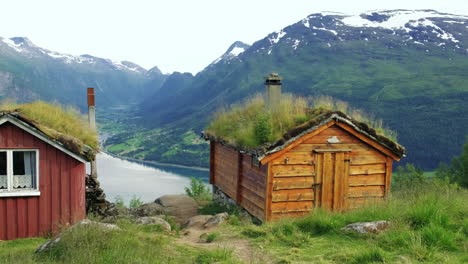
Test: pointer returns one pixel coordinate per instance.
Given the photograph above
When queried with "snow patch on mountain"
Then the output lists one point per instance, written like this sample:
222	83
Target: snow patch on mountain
237	50
277	36
403	20
13	45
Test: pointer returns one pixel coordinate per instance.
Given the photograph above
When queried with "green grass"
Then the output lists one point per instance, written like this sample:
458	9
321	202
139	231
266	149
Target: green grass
428	226
250	124
58	122
131	244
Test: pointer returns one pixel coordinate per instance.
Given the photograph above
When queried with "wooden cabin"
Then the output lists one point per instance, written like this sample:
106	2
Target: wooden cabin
42	180
332	162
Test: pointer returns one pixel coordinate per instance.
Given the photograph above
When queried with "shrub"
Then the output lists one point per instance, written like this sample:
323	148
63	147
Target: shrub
119	201
135	202
458	171
198	190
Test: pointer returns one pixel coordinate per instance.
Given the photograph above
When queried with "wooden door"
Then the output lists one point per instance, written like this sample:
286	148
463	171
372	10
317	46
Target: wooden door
332	179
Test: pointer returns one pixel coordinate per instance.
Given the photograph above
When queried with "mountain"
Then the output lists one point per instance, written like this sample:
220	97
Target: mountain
407	67
29	72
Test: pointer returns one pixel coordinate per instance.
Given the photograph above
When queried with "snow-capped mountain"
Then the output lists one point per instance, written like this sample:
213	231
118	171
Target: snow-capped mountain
29	72
232	53
407	67
427	28
25	47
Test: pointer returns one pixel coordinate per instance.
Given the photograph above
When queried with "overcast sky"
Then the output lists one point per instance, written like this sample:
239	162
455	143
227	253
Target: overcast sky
175	35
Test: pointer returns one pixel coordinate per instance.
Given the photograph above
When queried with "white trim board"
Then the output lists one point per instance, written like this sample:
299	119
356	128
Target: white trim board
35	132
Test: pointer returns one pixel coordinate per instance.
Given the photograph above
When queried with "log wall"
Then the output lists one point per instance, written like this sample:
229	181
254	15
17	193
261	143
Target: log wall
237	177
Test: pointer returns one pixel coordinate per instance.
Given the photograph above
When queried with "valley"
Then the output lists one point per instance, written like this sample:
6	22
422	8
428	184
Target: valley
406	67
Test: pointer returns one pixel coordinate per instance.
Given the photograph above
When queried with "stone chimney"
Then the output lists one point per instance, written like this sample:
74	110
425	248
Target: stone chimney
273	90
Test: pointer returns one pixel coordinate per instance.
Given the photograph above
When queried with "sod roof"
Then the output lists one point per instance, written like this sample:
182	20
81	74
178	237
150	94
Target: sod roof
65	127
321	118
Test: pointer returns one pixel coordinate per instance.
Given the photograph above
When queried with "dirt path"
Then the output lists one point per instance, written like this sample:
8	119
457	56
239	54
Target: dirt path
240	247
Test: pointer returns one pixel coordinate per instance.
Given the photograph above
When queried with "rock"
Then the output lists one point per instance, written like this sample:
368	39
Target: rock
197	221
149	209
53	242
216	220
104	226
368	227
96	202
48	244
153	220
180	207
114	218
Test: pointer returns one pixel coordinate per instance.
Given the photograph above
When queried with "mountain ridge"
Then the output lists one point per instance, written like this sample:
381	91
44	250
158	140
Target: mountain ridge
395	67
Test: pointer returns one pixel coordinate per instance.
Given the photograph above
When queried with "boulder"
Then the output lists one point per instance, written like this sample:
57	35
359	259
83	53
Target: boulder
53	242
367	227
197	221
149	209
48	244
104	226
180	207
153	220
216	220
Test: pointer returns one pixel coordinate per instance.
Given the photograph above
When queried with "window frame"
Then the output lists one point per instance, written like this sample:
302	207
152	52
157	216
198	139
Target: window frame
10	192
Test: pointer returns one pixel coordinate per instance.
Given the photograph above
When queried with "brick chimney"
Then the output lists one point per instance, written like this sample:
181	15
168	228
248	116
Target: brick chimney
273	90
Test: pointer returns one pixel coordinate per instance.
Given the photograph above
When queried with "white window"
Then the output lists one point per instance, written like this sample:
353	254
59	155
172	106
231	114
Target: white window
19	172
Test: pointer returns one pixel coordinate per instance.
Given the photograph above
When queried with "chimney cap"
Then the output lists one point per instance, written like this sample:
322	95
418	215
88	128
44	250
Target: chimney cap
273	78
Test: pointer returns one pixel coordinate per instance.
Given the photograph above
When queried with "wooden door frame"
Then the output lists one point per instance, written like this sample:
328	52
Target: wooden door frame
336	185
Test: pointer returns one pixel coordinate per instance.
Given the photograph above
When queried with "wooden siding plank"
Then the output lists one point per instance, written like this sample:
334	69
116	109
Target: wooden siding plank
327	180
295	158
318	180
212	161
279	216
22	217
253	209
269	187
293	170
33	217
338	181
3	219
367	191
293	195
367	179
11	218
358	158
367	169
286	207
293	183
64	191
254	198
388	176
345	185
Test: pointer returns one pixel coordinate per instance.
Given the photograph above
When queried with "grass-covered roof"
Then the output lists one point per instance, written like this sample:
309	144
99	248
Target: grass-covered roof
250	126
62	124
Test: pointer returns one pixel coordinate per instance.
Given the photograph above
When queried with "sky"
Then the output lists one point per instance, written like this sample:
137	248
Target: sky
174	35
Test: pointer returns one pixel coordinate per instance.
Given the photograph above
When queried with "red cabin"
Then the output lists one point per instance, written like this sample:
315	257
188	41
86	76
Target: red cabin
42	180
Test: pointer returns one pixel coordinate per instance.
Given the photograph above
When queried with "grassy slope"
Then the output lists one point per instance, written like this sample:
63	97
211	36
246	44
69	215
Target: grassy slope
429	225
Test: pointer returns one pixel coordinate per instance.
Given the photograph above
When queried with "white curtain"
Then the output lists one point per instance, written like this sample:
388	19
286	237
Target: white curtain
28	180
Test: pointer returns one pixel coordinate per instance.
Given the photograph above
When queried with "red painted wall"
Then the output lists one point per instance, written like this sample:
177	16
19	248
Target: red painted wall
62	187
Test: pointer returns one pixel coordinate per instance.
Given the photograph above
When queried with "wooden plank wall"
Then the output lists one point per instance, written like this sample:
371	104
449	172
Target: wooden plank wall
235	175
294	174
62	187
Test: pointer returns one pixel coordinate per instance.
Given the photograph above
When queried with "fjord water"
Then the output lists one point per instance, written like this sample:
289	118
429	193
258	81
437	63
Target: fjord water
128	179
